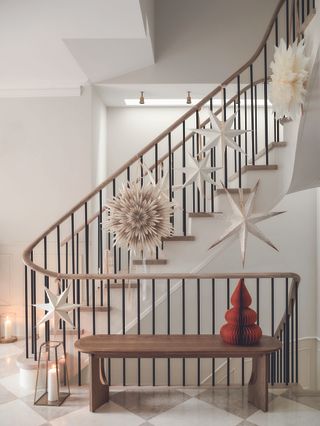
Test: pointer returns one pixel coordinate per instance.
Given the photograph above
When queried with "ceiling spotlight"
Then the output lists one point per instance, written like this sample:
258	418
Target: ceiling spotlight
141	99
189	101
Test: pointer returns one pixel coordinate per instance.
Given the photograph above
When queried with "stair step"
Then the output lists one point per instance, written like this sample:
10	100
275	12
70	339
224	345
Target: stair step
98	308
117	285
69	332
271	146
253	168
180	238
220	191
203	214
150	261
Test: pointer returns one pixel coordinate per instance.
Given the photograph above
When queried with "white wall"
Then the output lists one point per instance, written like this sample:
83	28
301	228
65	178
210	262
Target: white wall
45	168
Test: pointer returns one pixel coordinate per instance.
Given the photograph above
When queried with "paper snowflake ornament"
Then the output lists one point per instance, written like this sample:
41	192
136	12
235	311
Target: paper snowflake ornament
57	308
289	76
140	217
197	171
222	133
243	221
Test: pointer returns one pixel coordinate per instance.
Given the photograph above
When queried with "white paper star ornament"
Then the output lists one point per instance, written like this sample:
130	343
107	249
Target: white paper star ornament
244	221
198	172
57	307
221	132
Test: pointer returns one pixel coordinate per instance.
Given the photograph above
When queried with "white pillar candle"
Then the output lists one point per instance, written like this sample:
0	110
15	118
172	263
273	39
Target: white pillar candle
7	328
52	384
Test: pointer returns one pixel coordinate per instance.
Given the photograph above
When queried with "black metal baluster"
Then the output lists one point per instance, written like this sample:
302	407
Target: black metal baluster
170	173
100	254
212	164
26	314
168	327
138	328
225	154
193	184
287	24
153	329
246	128
73	266
156	180
235	126
292	340
129	252
123	329
93	307
183	328
252	116
198	329
213	302
198	149
46	283
78	309
114	245
109	323
287	335
184	190
297	331
239	127
86	249
272	329
293	20
228	307
256	117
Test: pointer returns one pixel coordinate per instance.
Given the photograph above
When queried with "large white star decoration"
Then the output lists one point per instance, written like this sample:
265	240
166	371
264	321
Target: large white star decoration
221	132
57	307
162	183
244	221
198	172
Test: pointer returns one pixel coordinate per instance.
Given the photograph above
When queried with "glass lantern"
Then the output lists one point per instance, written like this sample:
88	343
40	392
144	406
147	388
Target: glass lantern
8	325
52	386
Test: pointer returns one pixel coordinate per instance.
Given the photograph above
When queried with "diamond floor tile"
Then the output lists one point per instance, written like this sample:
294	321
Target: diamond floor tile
18	413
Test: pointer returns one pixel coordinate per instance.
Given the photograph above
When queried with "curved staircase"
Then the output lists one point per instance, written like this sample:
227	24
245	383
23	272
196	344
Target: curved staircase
121	293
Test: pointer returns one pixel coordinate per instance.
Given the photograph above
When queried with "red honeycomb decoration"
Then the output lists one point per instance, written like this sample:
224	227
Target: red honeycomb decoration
241	328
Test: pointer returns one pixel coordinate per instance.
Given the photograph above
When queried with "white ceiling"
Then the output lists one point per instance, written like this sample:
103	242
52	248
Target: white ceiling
50	45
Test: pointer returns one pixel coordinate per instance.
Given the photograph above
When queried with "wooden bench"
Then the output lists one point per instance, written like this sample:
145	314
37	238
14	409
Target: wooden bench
175	346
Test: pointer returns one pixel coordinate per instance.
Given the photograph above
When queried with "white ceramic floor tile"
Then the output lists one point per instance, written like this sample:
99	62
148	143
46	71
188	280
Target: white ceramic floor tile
109	414
13	385
192	392
9	349
194	412
283	412
18	413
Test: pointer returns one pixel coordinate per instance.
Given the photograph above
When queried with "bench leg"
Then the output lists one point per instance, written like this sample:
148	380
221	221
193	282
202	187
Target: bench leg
99	389
258	385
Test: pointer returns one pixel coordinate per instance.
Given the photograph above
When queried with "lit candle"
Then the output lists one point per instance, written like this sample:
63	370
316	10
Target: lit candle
7	328
52	384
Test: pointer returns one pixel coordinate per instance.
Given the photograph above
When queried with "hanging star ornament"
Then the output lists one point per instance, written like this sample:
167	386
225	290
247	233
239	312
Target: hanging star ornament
57	307
198	172
244	221
162	183
221	132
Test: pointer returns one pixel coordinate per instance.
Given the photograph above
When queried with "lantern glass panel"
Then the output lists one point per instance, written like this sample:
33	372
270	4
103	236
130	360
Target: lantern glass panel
52	386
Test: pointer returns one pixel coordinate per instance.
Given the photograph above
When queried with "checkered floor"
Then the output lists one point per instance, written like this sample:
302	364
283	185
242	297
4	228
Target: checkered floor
152	406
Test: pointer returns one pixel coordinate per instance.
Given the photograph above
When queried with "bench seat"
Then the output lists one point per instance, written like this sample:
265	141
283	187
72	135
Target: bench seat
175	346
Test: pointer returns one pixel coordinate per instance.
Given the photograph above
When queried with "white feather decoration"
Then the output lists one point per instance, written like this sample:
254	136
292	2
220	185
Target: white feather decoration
140	217
288	79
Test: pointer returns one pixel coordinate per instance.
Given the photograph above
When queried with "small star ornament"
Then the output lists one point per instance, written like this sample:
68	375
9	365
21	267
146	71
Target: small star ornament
57	307
244	221
198	172
221	132
162	183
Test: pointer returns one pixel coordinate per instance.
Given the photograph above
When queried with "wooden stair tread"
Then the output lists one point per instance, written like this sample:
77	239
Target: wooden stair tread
203	214
150	261
85	308
69	332
271	146
116	285
254	168
180	238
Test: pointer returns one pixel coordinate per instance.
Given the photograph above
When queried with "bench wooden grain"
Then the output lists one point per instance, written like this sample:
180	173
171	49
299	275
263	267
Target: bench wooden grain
175	346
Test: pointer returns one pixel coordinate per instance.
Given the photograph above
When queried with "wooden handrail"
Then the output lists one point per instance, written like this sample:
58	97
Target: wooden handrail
291	302
161	136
